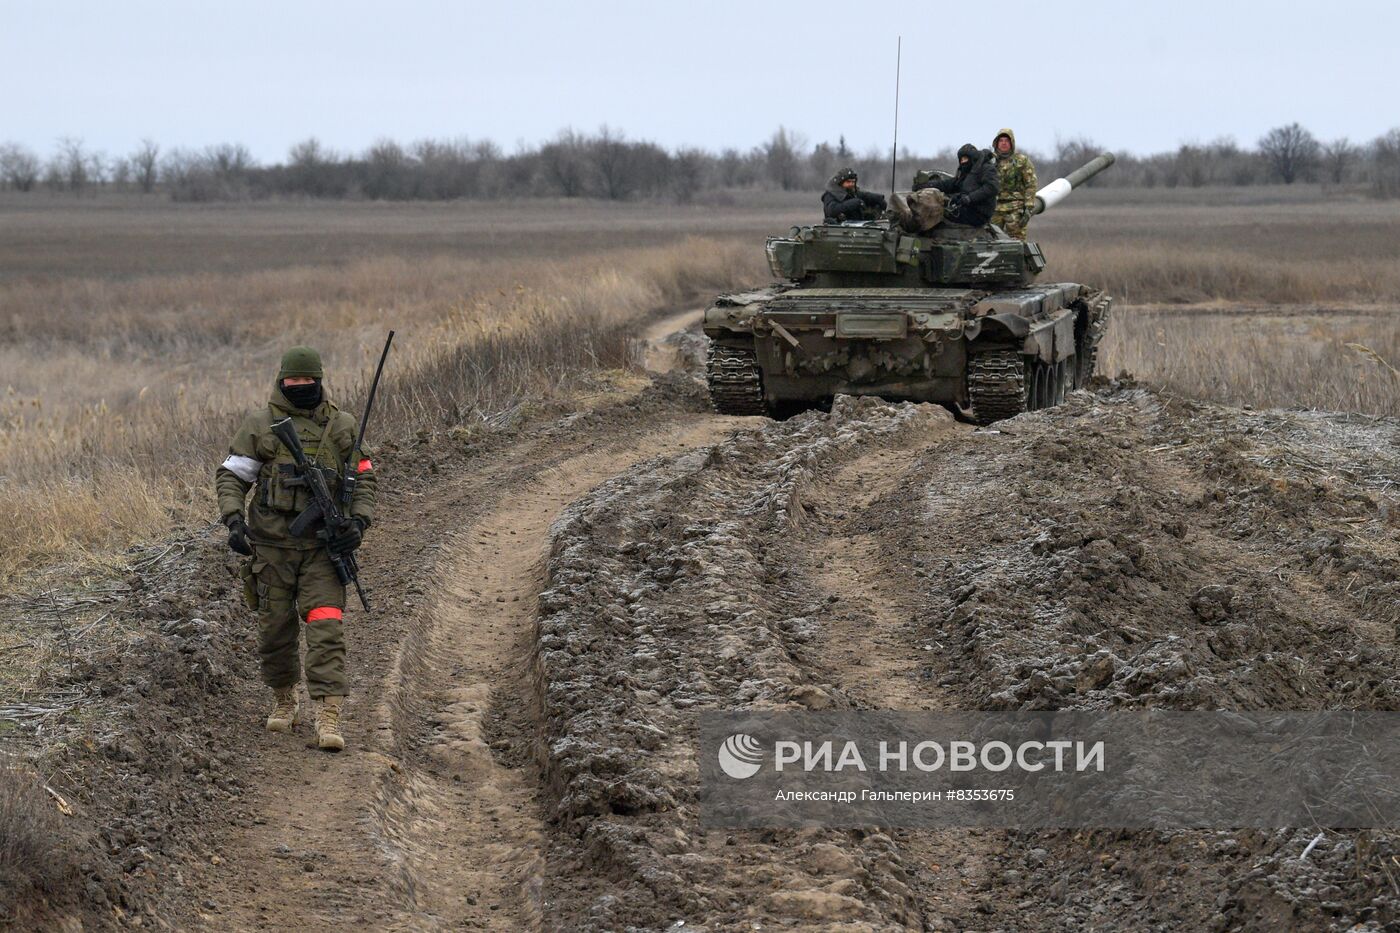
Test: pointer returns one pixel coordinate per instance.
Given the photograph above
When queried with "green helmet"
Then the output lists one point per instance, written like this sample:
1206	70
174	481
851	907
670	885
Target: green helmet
301	361
846	174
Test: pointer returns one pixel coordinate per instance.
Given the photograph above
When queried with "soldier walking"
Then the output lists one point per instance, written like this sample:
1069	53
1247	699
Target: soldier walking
291	580
1016	197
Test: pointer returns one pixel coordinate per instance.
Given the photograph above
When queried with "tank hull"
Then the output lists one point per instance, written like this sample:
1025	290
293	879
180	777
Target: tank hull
912	344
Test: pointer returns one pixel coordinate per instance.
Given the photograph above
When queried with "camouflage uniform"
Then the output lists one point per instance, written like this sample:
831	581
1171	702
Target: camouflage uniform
1016	198
288	578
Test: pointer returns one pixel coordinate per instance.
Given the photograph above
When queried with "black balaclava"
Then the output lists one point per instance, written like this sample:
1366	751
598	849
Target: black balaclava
305	397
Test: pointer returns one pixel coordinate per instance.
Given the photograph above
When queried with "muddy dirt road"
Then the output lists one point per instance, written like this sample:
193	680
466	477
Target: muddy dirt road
1123	551
559	598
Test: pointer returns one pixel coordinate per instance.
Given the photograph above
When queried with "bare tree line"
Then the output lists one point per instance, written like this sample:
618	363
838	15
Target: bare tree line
609	165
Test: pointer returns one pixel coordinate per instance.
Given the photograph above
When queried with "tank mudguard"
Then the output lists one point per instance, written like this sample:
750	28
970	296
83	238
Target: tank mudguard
1008	327
1051	340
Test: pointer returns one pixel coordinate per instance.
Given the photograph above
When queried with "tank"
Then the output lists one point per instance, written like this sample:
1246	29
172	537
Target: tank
954	316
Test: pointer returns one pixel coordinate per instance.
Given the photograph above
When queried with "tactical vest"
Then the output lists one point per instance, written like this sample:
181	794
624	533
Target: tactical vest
279	487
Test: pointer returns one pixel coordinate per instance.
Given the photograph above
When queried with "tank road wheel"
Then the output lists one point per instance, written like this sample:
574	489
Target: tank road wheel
1037	386
996	385
1045	385
1063	370
736	382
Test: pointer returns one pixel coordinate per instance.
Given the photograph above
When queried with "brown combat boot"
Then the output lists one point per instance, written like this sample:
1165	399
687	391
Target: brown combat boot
328	735
284	712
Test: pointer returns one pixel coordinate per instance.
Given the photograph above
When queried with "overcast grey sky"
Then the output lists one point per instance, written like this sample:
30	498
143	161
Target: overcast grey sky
1134	76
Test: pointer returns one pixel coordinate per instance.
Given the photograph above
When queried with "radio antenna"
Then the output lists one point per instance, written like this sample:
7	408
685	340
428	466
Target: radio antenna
894	149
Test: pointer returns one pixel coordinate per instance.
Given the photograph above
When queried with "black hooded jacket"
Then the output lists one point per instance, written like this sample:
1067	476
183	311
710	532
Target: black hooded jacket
977	183
838	204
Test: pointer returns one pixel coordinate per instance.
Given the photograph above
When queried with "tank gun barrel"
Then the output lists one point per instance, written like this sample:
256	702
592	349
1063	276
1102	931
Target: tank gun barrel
1059	189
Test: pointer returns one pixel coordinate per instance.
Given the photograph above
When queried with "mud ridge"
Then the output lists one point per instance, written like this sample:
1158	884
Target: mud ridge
662	602
1133	551
1127	550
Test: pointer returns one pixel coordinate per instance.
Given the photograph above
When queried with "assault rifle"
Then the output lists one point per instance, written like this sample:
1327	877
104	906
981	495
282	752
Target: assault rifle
323	508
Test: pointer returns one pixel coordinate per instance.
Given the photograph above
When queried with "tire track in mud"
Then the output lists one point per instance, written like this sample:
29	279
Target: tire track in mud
466	826
874	646
430	818
671	591
464	822
868	646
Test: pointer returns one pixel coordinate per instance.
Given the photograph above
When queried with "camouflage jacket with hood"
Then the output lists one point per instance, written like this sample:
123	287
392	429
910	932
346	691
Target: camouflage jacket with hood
258	461
1016	173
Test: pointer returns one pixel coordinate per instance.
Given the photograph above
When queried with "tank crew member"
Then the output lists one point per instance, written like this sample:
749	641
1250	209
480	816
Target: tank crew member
1016	173
842	200
972	192
291	580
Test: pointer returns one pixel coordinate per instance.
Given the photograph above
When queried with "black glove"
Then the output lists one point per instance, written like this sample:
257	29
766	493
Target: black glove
956	203
238	535
879	201
347	537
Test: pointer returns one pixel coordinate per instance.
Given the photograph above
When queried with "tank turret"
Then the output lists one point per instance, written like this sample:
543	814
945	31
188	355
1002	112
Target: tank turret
878	254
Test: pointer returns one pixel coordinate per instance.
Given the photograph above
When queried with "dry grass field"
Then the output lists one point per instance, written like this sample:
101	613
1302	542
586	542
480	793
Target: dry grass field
1280	299
133	331
1336	359
1274	246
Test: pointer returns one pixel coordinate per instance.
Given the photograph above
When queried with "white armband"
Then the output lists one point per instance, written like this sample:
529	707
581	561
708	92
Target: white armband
245	468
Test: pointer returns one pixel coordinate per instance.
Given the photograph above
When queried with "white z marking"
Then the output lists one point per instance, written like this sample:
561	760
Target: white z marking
984	268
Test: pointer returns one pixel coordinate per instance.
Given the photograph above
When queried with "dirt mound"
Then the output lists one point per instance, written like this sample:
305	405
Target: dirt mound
1144	555
1124	551
145	747
1128	551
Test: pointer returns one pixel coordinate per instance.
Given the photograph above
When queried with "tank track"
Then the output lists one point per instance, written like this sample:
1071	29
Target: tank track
996	385
1088	364
736	382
